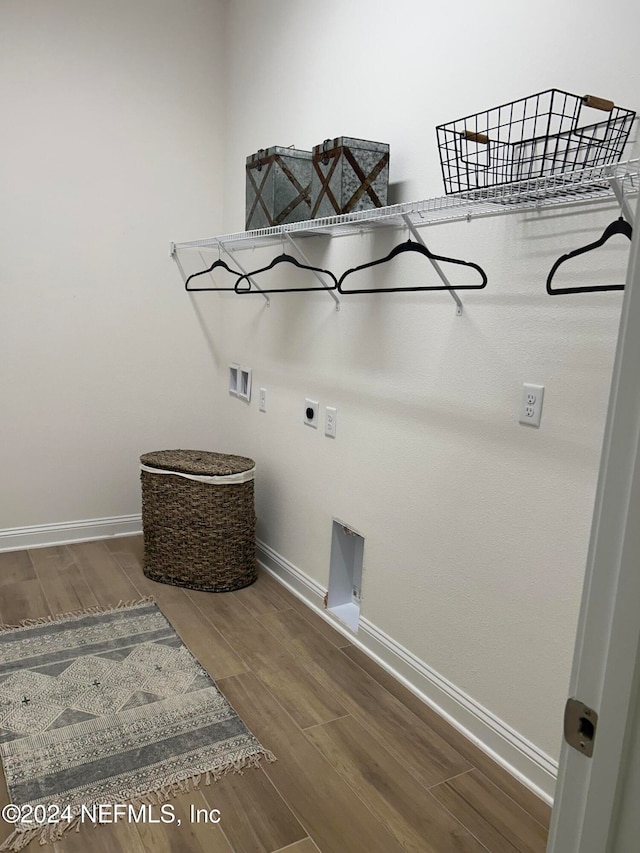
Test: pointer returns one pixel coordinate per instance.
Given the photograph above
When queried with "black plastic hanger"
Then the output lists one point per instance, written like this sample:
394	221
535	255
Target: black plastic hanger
411	246
281	259
620	226
215	265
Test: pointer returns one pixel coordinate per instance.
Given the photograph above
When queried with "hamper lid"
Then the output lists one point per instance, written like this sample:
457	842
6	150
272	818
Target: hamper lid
202	462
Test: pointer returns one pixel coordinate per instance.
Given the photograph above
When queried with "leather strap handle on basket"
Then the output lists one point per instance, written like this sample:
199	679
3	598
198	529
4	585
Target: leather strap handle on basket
482	138
598	103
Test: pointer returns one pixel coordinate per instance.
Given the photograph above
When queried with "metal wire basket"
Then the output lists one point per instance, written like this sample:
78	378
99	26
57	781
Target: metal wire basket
536	136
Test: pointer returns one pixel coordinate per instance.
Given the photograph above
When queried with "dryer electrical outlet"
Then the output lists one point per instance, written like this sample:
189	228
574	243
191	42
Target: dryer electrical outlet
311	412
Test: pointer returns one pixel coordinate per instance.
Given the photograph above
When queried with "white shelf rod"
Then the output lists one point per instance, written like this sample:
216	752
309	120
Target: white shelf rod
176	258
618	188
308	262
243	270
435	264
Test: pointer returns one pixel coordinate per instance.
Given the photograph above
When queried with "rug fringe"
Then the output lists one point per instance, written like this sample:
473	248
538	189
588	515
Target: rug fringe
86	611
49	833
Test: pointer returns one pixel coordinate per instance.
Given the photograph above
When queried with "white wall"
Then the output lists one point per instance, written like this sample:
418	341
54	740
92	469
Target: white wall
111	145
476	527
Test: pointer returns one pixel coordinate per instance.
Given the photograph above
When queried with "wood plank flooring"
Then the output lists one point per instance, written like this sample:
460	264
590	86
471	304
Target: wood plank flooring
363	765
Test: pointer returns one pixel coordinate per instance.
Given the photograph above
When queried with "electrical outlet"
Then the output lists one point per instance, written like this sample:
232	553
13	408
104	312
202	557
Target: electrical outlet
311	413
531	405
262	399
330	416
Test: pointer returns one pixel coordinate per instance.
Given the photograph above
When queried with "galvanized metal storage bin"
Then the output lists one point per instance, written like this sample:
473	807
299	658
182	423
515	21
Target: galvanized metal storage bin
278	187
348	174
198	519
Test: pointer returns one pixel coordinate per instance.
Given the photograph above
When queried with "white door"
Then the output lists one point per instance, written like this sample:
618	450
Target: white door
597	803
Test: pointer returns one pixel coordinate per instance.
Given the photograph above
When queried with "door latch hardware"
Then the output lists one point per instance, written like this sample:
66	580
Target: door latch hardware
580	725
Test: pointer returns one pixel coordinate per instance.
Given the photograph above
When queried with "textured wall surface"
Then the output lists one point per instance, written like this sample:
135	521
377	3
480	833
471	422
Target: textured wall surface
476	528
112	126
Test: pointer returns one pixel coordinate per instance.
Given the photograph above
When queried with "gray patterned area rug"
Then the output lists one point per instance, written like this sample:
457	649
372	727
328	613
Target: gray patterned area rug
108	707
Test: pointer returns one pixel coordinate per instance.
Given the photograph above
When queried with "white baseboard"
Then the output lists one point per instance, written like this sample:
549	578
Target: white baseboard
67	532
506	746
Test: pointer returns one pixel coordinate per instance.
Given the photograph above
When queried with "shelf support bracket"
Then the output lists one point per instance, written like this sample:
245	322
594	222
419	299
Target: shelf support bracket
174	254
176	258
416	234
618	190
243	270
308	263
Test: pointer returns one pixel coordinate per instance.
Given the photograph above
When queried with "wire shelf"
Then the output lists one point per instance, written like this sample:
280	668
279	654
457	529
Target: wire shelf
567	188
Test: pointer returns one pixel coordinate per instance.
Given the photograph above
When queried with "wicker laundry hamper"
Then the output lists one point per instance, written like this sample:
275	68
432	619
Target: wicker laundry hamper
198	519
